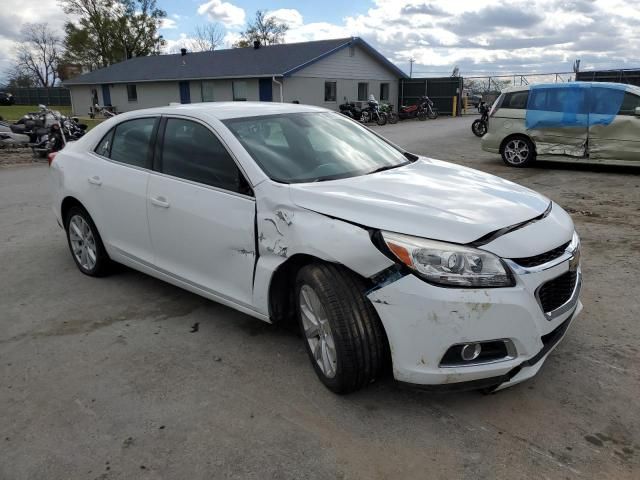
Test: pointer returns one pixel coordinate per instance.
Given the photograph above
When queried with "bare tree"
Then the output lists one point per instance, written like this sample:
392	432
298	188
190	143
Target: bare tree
265	29
39	53
206	38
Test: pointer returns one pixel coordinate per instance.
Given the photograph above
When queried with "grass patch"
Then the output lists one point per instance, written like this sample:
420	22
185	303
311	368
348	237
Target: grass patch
13	113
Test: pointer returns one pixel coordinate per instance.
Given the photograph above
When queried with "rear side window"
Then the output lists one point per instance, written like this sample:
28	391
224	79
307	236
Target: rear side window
629	104
131	142
515	100
104	147
191	151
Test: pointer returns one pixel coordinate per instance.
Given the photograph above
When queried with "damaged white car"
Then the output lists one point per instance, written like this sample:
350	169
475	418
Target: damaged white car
454	277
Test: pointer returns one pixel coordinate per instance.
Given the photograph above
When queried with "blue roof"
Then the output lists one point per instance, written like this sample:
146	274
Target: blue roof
266	61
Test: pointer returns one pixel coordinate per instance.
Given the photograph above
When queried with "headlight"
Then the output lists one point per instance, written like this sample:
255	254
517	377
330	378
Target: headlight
448	264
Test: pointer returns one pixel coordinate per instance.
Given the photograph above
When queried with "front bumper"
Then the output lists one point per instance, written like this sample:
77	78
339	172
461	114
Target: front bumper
423	321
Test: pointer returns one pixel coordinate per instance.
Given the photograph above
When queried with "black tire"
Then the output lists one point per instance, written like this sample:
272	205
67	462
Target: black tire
382	119
433	114
479	128
360	342
518	151
392	118
422	115
102	262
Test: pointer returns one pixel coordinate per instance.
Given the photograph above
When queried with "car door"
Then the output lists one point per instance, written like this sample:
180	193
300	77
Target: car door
614	126
118	176
201	211
557	119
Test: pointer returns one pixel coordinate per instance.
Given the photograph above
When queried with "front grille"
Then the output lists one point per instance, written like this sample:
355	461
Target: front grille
545	257
557	292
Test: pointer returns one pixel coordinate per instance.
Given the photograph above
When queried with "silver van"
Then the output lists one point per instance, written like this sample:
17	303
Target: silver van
592	122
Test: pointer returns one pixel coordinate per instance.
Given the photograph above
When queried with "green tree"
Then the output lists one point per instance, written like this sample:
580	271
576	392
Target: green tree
265	29
109	31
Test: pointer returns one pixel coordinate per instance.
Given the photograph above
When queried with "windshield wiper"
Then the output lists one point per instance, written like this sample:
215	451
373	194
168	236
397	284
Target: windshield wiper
387	167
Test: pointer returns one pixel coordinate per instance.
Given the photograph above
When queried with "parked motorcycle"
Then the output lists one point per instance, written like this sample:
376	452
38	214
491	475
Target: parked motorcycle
392	116
42	131
372	112
479	126
422	110
350	110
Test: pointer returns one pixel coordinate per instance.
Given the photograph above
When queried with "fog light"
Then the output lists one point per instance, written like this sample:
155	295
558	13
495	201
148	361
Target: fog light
470	351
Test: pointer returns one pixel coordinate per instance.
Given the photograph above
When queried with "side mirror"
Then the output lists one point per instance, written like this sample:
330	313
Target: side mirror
637	112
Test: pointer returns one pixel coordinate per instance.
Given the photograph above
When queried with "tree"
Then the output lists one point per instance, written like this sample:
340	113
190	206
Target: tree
206	38
38	56
109	31
265	29
18	79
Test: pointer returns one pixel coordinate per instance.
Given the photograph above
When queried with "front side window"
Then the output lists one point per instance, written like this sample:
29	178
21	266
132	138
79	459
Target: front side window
515	100
131	142
192	152
363	92
384	91
329	91
239	90
132	93
311	147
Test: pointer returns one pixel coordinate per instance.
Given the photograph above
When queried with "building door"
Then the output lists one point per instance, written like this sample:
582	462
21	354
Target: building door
266	93
185	93
106	95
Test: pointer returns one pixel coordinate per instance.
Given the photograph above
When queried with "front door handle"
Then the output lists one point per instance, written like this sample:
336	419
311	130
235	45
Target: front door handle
160	202
95	180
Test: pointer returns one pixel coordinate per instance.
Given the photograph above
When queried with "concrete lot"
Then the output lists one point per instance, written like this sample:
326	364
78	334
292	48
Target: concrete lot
107	379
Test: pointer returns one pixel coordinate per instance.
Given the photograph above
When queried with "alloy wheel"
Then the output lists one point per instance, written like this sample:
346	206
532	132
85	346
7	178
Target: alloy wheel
517	151
317	331
83	243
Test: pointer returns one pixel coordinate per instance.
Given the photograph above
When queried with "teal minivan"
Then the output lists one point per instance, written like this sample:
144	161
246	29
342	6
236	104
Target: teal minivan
592	122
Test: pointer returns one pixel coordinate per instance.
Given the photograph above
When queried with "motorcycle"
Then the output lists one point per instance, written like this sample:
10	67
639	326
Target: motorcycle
373	113
387	109
422	110
41	131
479	126
350	110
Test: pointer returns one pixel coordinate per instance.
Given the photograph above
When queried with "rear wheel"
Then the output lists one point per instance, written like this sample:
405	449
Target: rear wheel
392	118
518	152
342	333
85	243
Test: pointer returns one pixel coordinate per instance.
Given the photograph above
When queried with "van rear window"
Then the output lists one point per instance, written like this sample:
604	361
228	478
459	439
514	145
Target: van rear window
515	100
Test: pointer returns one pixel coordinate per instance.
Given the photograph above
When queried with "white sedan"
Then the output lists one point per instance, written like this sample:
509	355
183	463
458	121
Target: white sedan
457	278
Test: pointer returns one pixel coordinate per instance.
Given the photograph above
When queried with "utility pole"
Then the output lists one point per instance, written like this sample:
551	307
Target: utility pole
411	61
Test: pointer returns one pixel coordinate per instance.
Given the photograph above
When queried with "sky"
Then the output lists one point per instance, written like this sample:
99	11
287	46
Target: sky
480	37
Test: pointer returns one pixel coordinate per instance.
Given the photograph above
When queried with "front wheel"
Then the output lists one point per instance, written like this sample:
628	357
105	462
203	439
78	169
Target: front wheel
479	127
422	115
382	119
518	152
433	114
343	335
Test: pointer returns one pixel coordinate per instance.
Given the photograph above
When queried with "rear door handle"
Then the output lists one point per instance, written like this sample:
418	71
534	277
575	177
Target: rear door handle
160	202
95	180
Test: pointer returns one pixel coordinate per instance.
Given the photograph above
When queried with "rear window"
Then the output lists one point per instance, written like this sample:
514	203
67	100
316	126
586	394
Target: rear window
515	100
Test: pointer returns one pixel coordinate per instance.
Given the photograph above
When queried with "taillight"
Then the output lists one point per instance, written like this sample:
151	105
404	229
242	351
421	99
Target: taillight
51	157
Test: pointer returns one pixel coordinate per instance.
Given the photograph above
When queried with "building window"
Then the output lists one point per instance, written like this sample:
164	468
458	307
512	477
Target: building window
384	91
363	92
207	91
132	93
239	90
329	91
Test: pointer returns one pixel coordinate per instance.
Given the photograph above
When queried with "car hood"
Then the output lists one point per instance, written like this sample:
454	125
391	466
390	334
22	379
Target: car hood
427	198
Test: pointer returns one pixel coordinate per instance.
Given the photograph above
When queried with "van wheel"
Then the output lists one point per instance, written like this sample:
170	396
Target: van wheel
518	152
343	335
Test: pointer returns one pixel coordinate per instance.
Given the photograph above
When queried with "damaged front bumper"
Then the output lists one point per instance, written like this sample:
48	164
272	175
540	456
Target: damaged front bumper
423	322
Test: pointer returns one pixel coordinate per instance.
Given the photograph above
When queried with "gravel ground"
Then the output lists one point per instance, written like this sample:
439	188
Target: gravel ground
128	377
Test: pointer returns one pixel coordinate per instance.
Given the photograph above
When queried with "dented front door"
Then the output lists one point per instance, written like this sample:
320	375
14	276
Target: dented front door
557	119
614	127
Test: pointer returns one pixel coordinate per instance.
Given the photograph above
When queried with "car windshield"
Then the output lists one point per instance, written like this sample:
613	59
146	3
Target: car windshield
312	147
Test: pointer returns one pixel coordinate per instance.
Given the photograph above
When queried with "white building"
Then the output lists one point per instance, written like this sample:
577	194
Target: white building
319	73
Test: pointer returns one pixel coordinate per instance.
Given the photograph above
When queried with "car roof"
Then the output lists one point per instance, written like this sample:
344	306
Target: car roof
615	85
226	110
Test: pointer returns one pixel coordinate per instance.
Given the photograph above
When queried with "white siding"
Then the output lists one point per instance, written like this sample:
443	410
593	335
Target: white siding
342	65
